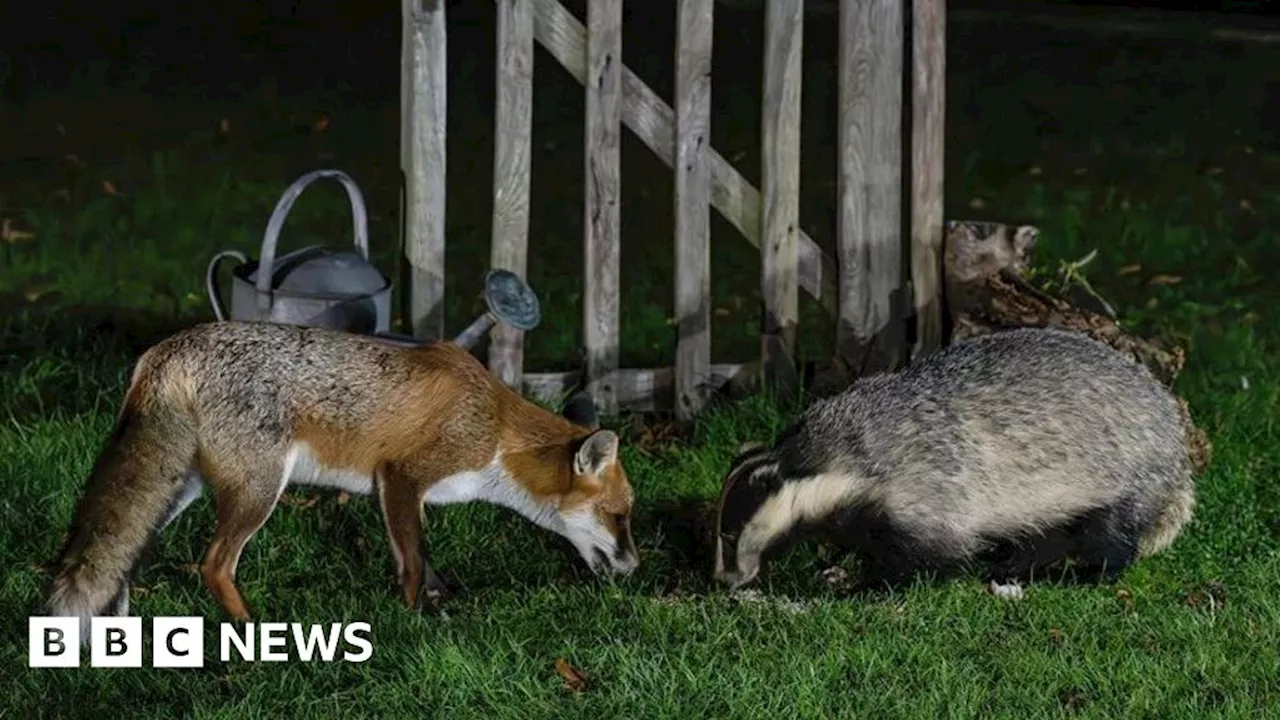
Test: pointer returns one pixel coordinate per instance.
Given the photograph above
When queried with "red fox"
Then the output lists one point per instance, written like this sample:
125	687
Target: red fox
251	407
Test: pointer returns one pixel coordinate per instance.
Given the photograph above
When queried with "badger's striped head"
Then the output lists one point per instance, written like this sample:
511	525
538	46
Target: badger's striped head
752	480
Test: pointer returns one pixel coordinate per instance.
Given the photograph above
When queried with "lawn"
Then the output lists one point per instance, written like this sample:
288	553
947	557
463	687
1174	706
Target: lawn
1156	154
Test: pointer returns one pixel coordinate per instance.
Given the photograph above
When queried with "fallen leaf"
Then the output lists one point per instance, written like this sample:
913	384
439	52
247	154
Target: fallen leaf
344	497
322	123
1165	280
224	126
977	203
1034	170
1125	597
722	312
11	235
572	676
1071	700
1215	170
1246	205
1056	636
1129	269
109	188
300	501
835	575
140	591
1081	171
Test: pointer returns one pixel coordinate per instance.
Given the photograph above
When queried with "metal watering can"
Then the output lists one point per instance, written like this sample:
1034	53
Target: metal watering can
311	286
342	290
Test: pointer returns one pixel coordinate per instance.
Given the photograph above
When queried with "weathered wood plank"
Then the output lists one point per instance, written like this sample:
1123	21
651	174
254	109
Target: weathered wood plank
653	121
780	189
928	115
602	230
639	390
869	333
692	205
511	158
422	160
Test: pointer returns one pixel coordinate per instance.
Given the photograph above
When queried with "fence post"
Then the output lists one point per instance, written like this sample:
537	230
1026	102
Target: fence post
693	205
869	232
780	189
511	157
928	115
422	160
601	222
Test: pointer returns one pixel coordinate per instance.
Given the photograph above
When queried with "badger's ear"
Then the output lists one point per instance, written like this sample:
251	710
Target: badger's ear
598	451
580	409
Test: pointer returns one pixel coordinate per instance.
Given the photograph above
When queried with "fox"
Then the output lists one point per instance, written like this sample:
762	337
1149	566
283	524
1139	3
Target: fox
248	409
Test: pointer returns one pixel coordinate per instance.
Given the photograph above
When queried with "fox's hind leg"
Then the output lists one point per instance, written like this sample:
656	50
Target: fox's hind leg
244	502
401	495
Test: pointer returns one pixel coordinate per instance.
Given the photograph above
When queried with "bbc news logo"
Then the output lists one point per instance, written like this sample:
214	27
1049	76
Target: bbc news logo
178	642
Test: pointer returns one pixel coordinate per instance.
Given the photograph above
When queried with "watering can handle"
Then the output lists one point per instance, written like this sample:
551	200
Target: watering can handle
211	280
359	223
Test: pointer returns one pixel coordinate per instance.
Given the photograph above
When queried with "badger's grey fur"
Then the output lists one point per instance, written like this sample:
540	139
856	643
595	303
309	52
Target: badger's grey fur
1020	448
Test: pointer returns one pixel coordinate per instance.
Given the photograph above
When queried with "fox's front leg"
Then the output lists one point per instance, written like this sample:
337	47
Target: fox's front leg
401	498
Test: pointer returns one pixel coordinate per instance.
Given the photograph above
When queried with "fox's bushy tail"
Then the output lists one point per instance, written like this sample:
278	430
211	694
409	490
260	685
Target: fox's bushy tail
136	483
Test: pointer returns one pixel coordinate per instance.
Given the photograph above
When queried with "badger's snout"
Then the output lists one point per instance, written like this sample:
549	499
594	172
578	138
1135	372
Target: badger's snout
730	570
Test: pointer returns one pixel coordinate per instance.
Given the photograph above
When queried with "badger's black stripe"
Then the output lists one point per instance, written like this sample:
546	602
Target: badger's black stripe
1102	542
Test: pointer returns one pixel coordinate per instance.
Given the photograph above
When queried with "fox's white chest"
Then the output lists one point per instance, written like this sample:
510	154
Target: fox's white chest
465	487
489	484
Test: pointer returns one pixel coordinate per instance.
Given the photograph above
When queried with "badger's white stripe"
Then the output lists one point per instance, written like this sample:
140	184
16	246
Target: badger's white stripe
797	501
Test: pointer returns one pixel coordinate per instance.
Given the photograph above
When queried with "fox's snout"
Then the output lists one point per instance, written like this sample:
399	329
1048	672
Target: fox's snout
603	548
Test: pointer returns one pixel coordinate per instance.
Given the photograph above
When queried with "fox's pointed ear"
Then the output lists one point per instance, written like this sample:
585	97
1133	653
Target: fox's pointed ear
598	451
580	409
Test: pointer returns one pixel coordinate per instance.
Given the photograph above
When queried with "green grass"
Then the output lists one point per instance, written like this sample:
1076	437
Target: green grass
1145	159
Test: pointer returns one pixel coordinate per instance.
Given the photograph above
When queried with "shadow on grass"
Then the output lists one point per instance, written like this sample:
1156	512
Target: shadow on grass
59	359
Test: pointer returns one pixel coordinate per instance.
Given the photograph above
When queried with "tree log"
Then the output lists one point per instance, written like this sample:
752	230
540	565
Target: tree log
984	270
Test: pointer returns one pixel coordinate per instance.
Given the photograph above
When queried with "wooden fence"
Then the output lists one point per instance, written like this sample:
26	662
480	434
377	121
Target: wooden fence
865	289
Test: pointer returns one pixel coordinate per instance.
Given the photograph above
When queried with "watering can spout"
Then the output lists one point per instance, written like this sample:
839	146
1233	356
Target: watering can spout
510	301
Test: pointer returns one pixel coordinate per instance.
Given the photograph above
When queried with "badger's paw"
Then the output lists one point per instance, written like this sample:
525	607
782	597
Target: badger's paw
1010	590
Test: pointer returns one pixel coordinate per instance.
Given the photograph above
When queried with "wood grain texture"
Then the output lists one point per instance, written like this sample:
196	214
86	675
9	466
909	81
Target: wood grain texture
780	188
870	332
637	390
511	166
692	205
653	121
422	160
602	232
928	115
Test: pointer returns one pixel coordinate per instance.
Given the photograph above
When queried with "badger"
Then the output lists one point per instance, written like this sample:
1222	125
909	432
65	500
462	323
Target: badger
1015	451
